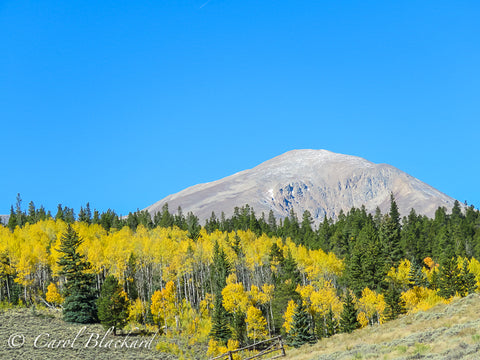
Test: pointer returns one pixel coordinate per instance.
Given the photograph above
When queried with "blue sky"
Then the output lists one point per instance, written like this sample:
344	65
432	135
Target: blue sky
121	103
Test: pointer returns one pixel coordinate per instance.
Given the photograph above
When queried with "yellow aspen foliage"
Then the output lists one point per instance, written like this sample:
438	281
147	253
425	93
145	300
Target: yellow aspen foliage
164	306
206	305
430	268
117	249
268	290
215	348
52	295
372	306
429	262
137	311
288	316
474	267
256	249
256	324
95	244
362	319
325	298
257	297
421	299
306	293
400	275
235	298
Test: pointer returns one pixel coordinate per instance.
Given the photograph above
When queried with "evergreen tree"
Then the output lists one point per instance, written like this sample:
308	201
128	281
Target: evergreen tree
12	220
220	269
365	266
286	278
467	281
395	306
112	305
79	305
85	215
164	218
220	330
390	232
306	233
193	226
348	318
449	276
272	223
301	328
331	323
32	214
416	276
21	216
130	282
60	215
324	232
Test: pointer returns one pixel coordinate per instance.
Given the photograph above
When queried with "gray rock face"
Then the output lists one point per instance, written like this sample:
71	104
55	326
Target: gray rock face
319	181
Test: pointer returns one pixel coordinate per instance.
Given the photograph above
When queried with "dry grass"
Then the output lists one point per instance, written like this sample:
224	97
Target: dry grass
443	332
28	324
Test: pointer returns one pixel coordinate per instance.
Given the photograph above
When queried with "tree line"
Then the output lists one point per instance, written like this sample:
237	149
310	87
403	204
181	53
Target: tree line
240	279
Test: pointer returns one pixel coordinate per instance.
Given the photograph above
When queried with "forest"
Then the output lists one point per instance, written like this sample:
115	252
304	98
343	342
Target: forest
238	280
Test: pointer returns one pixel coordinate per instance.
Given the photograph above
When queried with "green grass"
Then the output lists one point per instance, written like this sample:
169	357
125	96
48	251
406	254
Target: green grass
476	338
421	349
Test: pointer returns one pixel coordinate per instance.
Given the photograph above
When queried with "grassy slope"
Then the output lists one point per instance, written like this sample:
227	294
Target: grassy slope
443	332
34	323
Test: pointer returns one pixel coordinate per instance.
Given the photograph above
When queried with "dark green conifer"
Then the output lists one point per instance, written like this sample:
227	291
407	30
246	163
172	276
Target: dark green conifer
112	305
416	277
449	278
80	299
301	328
390	233
467	281
395	306
220	269
331	323
348	318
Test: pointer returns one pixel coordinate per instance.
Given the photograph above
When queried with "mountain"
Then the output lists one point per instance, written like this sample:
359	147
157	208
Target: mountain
319	181
4	219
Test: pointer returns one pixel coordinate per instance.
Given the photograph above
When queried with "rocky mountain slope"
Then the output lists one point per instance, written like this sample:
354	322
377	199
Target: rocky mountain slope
320	181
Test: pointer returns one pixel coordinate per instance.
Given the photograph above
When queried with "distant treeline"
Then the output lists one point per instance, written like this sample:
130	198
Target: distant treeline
414	237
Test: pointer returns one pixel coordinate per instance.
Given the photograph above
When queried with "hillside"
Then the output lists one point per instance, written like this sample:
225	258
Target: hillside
443	332
51	332
319	181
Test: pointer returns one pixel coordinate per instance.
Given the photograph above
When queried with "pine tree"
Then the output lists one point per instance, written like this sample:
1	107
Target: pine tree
220	322
416	276
220	269
331	323
448	283
348	318
12	219
60	215
395	306
390	232
301	328
286	279
467	281
79	305
112	305
32	214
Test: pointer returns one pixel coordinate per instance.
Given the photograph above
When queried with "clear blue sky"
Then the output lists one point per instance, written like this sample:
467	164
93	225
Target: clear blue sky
121	103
